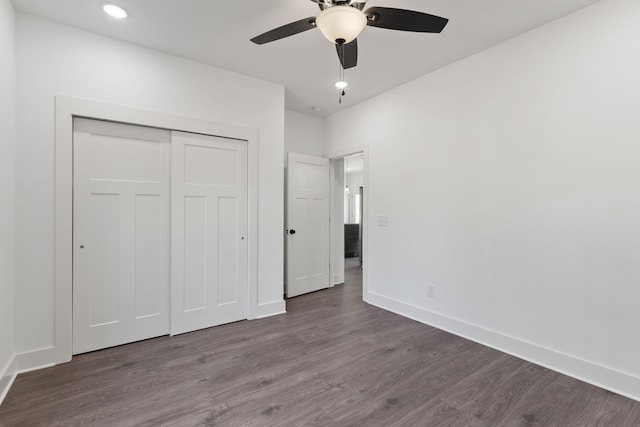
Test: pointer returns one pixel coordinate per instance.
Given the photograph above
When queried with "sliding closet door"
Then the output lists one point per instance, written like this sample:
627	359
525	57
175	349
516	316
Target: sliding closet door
121	253
209	231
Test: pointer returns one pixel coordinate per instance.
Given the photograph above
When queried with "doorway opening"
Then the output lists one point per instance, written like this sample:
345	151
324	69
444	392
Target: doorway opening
325	213
349	225
353	204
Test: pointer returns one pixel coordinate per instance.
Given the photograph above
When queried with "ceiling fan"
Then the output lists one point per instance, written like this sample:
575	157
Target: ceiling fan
341	21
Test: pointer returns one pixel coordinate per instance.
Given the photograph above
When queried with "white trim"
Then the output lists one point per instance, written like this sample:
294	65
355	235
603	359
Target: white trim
5	385
7	377
65	109
270	309
35	359
333	223
601	376
332	226
348	151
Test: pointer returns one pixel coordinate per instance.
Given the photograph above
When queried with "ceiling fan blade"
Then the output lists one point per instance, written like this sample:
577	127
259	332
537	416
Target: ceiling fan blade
404	20
286	31
348	54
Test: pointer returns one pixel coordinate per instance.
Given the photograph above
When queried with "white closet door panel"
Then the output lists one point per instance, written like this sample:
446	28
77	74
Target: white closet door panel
121	234
227	245
104	282
195	253
216	166
141	160
150	250
209	231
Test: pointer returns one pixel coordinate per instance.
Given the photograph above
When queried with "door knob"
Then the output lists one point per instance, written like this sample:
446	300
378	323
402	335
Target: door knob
292	231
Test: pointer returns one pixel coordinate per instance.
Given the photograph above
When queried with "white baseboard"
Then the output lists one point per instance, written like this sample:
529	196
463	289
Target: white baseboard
7	376
604	377
271	309
34	360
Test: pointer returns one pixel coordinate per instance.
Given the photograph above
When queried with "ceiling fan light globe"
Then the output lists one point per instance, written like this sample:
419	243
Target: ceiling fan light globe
114	10
341	22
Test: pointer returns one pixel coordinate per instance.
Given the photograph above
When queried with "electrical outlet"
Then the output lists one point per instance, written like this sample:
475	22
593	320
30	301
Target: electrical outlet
431	291
383	221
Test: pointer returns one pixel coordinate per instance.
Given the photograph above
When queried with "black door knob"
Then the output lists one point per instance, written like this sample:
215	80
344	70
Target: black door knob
292	231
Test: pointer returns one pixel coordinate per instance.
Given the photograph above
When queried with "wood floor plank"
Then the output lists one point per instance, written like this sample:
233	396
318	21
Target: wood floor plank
332	360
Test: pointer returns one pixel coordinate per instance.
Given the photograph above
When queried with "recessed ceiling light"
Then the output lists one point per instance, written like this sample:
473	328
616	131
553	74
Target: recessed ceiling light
341	84
114	10
317	109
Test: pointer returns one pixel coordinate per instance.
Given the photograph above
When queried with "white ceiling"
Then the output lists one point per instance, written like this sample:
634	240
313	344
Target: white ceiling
217	32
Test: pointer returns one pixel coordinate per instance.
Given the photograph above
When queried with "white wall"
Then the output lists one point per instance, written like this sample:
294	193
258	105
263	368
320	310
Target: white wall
7	189
525	209
58	60
304	133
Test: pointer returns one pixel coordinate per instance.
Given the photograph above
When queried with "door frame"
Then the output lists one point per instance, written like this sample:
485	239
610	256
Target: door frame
339	154
66	108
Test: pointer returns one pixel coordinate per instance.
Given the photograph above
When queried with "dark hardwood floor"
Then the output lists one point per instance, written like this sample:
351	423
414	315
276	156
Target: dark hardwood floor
331	360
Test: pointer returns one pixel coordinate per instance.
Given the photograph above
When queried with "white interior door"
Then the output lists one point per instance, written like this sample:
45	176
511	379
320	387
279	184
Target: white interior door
120	233
307	242
209	231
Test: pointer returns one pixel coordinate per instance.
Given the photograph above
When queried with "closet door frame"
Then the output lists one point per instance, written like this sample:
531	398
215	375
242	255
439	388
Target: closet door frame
66	109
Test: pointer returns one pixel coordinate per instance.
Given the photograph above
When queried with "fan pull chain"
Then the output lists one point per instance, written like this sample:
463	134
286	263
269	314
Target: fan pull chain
341	75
